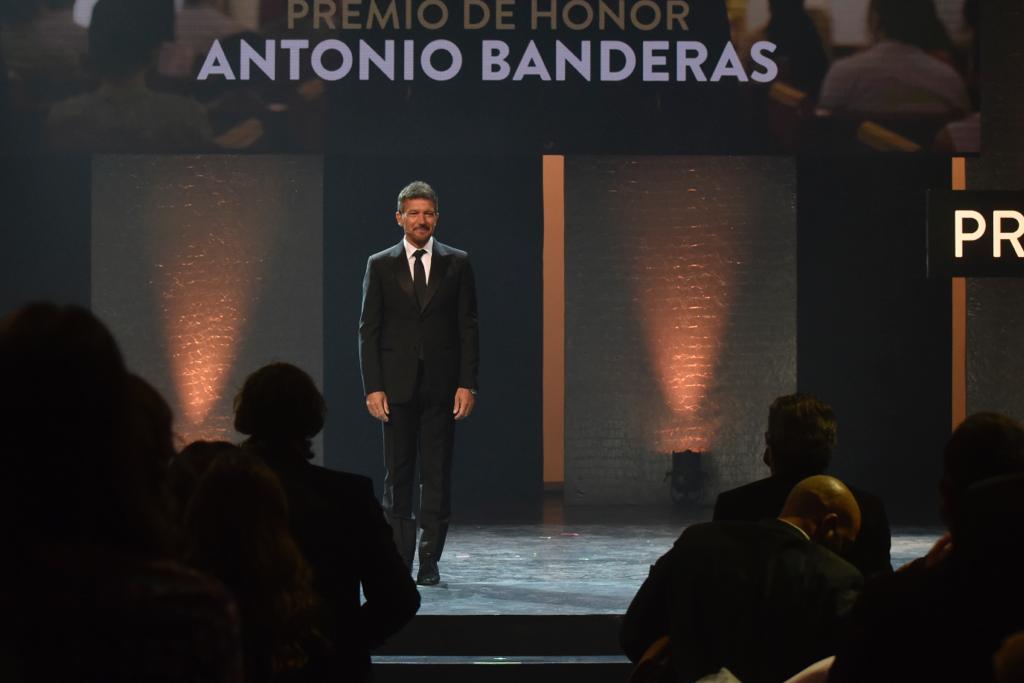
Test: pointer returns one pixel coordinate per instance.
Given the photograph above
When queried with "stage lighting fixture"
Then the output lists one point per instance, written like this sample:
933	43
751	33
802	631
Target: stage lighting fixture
686	478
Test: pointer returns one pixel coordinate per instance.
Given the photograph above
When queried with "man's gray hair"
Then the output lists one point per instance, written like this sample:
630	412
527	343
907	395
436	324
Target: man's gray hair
417	189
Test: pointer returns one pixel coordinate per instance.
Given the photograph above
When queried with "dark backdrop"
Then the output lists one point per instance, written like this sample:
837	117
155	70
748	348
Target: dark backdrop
995	317
492	208
45	211
873	333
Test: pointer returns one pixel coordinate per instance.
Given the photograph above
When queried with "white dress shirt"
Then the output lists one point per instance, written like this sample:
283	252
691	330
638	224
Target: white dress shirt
411	249
893	78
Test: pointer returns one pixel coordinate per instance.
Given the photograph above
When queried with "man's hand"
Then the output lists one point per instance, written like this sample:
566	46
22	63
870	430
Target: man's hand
464	401
377	404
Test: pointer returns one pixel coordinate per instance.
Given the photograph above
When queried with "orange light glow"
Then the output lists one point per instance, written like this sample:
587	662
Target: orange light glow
204	292
196	260
683	344
208	263
684	301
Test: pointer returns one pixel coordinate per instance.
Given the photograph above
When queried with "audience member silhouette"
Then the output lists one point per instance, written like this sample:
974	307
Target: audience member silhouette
189	466
152	432
903	73
43	46
124	114
93	594
1008	661
799	51
237	523
799	441
988	557
944	616
149	434
964	135
761	599
335	518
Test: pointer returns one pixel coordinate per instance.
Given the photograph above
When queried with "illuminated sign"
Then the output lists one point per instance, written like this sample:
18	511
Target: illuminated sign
975	234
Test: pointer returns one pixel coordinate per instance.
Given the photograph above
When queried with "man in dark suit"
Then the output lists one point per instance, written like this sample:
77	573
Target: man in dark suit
798	444
419	354
761	599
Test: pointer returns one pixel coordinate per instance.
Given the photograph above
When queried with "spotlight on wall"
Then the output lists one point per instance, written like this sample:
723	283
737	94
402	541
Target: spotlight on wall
686	478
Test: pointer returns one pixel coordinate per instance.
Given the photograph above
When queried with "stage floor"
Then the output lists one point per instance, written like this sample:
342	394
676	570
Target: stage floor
568	567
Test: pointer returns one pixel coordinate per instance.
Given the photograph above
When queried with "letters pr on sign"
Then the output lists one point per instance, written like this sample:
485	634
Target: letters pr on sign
975	234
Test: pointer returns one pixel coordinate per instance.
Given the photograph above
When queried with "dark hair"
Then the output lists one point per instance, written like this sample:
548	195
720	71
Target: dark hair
988	550
798	43
417	189
124	35
153	421
149	431
801	434
914	22
189	466
971	15
238	525
992	509
279	402
74	466
985	445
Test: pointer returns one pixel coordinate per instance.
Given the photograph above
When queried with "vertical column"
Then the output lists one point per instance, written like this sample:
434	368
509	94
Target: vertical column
959	365
554	321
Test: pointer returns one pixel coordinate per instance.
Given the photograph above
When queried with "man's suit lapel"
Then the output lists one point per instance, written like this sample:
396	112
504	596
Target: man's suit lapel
401	264
438	267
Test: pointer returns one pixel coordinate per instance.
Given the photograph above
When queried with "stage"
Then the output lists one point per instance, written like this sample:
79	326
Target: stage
542	598
586	567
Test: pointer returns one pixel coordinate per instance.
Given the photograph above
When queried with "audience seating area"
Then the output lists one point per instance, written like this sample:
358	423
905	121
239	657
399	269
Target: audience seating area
219	559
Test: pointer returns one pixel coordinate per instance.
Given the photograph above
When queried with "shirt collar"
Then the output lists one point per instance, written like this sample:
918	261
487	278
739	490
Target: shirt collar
411	249
802	532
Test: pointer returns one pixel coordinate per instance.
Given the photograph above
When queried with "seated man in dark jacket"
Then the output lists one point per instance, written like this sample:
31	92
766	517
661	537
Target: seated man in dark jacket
761	599
799	441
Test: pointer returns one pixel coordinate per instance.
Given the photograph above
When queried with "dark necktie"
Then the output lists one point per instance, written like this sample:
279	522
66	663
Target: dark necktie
419	280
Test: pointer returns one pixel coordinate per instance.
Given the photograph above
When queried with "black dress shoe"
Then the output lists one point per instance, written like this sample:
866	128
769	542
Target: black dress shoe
428	574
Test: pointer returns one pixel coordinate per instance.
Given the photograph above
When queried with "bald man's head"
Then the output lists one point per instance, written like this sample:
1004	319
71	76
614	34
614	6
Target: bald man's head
825	509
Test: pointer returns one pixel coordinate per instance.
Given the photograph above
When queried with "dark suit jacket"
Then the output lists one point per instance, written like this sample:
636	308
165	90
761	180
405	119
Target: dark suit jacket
340	528
757	598
943	620
764	498
394	334
919	624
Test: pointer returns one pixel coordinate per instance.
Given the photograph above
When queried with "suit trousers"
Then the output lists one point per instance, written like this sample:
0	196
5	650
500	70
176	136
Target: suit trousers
423	427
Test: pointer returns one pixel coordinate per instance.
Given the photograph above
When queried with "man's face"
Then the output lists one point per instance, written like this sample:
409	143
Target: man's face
418	219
